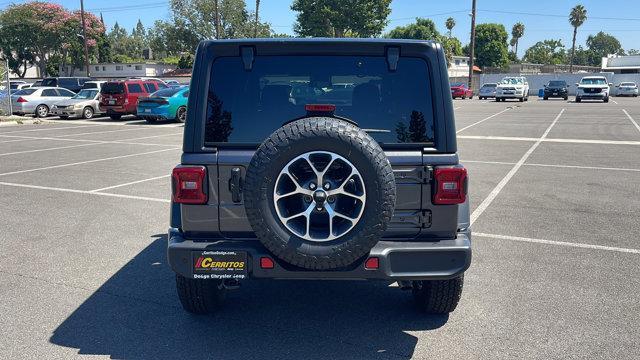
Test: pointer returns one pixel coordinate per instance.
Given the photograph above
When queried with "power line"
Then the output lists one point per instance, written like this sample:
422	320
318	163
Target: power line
555	15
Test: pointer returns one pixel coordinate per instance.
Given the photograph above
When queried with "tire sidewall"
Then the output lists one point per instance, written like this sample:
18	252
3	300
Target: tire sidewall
287	245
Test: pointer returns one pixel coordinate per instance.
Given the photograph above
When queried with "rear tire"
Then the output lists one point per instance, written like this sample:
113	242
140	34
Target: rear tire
181	114
87	113
578	99
545	98
115	117
200	296
42	111
606	99
149	120
438	296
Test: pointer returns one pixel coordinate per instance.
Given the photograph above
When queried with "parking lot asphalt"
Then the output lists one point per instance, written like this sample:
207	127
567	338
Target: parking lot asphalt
555	197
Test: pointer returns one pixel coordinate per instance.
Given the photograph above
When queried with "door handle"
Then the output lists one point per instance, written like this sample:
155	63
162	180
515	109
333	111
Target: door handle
235	185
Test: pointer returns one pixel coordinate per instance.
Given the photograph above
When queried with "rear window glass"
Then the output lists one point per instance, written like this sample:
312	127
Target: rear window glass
112	88
166	92
25	92
134	88
245	107
90	85
68	82
489	85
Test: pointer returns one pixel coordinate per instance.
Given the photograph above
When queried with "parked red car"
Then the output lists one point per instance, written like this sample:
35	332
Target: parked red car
118	98
461	90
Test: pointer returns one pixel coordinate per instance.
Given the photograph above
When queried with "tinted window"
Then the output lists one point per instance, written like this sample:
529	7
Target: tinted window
25	92
489	85
593	81
134	88
247	106
150	87
557	83
49	82
162	85
166	92
90	85
112	88
49	92
86	94
68	83
65	92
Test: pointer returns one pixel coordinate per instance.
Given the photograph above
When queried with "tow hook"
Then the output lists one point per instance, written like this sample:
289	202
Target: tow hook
231	284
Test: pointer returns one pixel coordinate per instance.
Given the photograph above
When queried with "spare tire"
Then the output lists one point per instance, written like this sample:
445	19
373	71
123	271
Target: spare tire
319	193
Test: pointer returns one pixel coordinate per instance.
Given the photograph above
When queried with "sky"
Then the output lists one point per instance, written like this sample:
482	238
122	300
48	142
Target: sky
543	19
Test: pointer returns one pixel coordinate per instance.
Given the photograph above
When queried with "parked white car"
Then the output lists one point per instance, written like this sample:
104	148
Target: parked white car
487	90
593	88
38	101
513	87
627	89
84	104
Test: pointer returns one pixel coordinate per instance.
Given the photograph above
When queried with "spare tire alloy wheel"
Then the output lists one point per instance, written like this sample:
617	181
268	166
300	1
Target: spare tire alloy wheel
319	193
333	197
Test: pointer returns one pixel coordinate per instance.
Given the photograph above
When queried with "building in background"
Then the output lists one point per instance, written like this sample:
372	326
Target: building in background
121	70
459	67
621	64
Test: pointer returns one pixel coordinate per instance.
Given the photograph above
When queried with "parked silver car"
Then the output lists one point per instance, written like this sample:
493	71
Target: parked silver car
487	90
38	101
84	104
627	89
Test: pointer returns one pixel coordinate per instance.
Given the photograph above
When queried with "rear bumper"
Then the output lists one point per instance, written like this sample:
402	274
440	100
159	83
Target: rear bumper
398	260
116	110
510	96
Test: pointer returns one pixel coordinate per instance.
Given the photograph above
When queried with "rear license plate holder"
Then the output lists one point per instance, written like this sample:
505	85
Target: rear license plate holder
219	264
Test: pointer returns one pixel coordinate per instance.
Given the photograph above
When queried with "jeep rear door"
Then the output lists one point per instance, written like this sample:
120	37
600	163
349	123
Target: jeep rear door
398	101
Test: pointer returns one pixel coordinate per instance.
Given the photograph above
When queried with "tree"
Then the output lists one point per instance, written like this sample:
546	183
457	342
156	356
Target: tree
336	18
422	29
425	29
199	18
601	45
14	41
546	52
633	52
577	17
491	45
450	24
517	32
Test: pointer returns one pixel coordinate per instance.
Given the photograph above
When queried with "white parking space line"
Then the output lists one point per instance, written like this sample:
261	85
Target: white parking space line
47	149
483	120
97	142
554	140
85	192
129	183
551	165
103	132
615	102
51	128
88	161
489	199
630	118
558	243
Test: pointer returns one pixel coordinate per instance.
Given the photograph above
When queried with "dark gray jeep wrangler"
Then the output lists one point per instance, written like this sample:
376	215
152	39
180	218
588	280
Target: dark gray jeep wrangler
320	159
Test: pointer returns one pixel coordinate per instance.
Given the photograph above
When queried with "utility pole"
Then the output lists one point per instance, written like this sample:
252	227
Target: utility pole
84	37
217	18
472	43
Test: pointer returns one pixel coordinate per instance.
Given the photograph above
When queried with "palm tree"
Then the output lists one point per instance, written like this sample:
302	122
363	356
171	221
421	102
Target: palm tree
577	17
450	24
255	28
517	32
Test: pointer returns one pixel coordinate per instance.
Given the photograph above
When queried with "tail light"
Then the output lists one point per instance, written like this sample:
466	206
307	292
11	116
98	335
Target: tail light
21	100
188	183
450	185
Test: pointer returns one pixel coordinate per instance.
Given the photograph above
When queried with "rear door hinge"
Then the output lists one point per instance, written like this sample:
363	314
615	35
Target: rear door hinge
425	219
236	184
425	174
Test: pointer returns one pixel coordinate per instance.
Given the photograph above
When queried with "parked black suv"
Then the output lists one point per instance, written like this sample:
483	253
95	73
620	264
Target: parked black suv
320	159
74	84
557	89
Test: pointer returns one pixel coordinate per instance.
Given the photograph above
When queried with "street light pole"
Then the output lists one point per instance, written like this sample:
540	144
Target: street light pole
84	38
472	44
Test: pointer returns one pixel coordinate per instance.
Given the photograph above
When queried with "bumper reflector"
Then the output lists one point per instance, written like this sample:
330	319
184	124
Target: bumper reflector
266	263
372	263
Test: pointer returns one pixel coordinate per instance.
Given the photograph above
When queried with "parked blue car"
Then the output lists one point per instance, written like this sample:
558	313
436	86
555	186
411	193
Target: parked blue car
165	104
